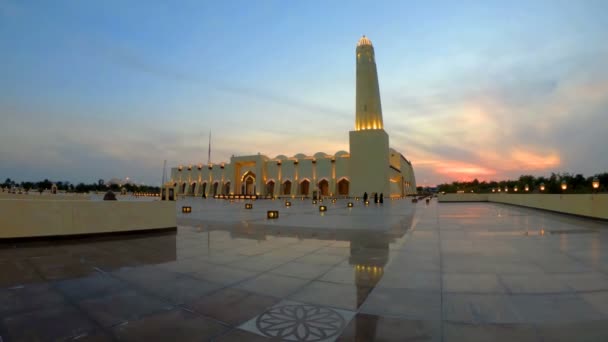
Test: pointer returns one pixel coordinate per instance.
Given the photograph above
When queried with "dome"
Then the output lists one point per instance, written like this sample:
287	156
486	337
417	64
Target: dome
280	157
341	154
320	155
300	156
364	41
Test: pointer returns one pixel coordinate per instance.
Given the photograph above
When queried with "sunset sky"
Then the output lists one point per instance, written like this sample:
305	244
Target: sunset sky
104	89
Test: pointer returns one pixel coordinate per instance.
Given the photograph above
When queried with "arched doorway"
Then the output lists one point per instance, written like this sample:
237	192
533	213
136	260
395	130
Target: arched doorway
192	188
183	188
324	187
227	188
343	186
249	183
304	187
287	187
205	189
270	187
215	185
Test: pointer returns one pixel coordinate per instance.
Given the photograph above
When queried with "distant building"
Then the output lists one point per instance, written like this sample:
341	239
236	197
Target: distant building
371	166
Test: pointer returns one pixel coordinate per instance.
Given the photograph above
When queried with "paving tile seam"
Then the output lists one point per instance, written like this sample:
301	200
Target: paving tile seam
74	305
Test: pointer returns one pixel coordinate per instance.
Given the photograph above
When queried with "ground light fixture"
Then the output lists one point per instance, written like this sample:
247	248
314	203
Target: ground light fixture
333	200
272	214
526	188
542	186
515	189
350	204
248	206
287	204
314	201
366	202
595	183
564	185
186	209
322	208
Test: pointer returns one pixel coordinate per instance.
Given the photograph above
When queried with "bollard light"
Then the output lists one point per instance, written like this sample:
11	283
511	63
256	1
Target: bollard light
506	189
186	209
314	201
248	206
322	208
527	188
564	185
333	200
272	214
515	189
350	204
595	183
542	186
287	204
366	202
493	190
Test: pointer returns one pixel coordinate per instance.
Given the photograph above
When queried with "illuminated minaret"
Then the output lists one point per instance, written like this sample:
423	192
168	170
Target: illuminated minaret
369	148
369	108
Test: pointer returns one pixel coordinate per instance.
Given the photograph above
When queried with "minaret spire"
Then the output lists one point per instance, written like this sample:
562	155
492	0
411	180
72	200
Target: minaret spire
369	108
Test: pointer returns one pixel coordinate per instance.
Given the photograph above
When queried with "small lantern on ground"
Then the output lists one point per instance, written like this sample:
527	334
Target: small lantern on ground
186	210
564	185
272	214
595	183
314	201
527	188
515	188
287	204
350	204
542	186
248	206
322	208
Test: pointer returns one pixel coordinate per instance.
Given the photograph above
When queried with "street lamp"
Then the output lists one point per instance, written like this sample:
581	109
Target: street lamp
564	185
542	186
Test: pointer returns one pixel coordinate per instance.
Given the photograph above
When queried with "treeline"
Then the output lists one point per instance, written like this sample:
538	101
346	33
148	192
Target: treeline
553	184
79	188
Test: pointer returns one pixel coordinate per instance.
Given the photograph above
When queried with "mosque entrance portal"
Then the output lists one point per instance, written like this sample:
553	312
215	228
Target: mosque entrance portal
249	183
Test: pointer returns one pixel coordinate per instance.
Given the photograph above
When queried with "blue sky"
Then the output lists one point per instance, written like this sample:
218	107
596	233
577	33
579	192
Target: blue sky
482	89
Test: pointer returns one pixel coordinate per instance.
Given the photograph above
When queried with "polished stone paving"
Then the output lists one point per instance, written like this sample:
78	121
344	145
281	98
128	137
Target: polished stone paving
396	272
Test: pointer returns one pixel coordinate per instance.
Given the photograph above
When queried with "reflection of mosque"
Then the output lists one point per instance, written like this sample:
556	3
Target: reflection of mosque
369	254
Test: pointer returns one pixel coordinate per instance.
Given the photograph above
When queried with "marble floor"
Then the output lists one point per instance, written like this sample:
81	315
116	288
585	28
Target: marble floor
396	272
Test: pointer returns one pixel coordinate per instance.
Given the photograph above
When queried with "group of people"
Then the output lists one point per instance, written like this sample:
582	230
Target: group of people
376	199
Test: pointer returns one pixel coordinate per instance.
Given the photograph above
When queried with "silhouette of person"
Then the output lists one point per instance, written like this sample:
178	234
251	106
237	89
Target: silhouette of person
375	197
365	196
381	198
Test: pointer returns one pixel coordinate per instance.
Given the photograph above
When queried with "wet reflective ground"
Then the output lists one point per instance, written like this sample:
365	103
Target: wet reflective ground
400	272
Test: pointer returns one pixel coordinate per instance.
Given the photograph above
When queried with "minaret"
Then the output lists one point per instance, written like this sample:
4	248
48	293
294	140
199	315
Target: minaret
369	108
369	151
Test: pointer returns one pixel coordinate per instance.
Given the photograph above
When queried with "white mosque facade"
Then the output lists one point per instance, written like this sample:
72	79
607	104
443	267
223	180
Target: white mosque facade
371	166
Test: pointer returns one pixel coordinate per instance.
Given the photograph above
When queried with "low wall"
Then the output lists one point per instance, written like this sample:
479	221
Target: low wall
463	197
595	206
45	196
36	218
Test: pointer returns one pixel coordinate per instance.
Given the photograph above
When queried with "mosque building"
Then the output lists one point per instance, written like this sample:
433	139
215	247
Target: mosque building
372	166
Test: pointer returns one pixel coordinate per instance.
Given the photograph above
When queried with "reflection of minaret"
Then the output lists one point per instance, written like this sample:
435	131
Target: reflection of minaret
369	159
369	254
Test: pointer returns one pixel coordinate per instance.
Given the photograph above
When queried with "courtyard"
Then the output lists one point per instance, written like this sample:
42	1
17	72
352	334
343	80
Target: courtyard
393	272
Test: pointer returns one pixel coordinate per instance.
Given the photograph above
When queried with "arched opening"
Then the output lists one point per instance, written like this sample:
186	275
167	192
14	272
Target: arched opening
183	190
324	187
287	187
227	188
248	183
343	186
270	187
304	187
192	188
215	185
204	189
